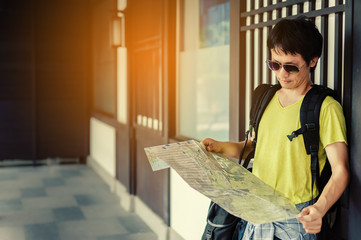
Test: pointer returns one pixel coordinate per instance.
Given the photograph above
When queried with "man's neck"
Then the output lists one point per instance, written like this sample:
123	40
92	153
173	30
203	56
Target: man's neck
287	97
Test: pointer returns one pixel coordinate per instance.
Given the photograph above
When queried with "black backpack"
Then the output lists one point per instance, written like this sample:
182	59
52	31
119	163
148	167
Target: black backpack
309	118
221	225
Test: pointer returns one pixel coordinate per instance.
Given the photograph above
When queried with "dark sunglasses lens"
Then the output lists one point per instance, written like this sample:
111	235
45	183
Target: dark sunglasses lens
275	66
291	68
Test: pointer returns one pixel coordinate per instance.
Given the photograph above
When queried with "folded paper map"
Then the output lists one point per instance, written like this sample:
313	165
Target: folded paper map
224	181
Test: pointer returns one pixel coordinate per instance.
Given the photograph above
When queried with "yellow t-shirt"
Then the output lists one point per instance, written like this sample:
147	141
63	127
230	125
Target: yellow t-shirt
285	165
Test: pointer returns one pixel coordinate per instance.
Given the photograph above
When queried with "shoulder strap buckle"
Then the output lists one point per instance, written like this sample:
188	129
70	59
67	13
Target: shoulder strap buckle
292	136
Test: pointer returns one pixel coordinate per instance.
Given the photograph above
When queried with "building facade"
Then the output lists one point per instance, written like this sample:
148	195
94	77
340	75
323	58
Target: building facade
100	80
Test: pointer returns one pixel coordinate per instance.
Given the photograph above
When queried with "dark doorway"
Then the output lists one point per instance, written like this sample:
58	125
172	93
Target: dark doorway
44	69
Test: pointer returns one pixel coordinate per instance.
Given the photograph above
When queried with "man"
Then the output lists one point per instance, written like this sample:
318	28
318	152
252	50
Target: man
295	46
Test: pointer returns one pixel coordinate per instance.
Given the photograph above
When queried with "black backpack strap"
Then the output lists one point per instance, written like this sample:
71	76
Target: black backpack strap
260	106
261	96
310	128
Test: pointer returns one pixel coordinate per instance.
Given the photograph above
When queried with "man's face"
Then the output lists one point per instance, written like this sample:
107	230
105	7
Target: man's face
291	80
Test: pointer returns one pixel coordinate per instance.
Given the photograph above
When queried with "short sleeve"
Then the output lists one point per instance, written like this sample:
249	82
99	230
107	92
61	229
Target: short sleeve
332	122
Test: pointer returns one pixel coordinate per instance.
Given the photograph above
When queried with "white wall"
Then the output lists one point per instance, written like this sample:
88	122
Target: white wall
189	208
102	145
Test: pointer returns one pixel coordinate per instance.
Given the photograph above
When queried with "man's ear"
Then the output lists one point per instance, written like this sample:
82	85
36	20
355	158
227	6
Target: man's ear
313	62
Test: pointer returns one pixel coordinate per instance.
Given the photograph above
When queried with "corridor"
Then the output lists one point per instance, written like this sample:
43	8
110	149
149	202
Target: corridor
63	202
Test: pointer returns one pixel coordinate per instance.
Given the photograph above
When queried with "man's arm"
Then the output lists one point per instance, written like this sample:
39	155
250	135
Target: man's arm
311	217
230	149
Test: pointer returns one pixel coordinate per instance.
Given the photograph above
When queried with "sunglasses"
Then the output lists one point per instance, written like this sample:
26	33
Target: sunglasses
290	68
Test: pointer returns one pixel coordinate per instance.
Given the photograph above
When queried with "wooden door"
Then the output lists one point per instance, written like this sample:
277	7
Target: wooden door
148	53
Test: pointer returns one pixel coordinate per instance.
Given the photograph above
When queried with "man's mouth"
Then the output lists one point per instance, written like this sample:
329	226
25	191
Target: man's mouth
285	81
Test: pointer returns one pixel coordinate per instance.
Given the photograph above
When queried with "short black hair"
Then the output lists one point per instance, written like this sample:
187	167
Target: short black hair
294	36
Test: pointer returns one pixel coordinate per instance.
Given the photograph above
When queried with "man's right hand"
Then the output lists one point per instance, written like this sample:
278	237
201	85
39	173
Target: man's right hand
212	145
230	149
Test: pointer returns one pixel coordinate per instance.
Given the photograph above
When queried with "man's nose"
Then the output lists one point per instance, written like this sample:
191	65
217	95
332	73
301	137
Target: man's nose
283	72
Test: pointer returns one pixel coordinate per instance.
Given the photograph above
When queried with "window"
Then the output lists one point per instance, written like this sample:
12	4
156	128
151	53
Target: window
203	69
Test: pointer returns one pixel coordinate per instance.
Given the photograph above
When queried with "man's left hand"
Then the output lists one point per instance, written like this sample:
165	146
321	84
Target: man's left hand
311	219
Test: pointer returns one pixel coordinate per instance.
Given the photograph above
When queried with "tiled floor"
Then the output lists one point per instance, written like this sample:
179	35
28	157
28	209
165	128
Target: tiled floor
63	202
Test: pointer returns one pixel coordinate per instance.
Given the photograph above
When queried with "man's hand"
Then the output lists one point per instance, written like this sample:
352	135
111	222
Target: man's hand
212	145
230	149
311	219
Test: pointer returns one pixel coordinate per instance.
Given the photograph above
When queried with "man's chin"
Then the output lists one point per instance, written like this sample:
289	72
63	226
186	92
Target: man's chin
285	84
